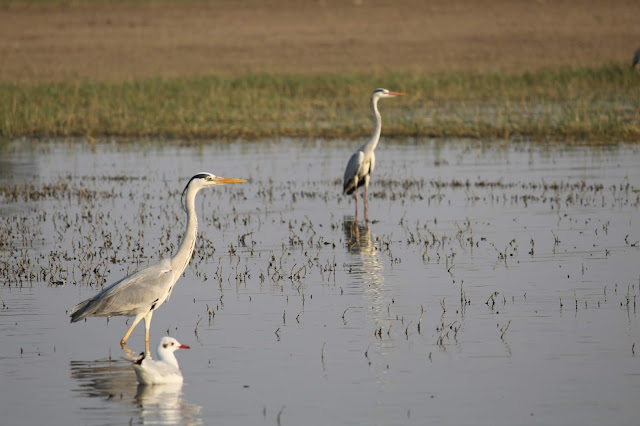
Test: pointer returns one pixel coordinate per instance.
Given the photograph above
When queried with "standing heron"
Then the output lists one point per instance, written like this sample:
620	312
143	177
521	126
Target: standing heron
141	293
362	162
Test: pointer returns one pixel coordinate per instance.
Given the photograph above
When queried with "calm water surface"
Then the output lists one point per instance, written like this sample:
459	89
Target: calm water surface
495	284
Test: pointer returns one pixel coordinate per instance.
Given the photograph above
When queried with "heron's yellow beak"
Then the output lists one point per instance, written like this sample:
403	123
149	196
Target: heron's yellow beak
224	180
397	94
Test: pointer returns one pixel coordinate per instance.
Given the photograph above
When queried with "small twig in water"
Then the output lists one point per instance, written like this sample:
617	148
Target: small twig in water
504	330
280	414
196	329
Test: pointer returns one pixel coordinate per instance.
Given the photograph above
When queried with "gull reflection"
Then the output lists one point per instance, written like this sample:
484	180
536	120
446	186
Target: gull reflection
366	264
113	389
163	404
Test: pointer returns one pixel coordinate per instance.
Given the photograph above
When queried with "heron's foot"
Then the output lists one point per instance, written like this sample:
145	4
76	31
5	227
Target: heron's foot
128	352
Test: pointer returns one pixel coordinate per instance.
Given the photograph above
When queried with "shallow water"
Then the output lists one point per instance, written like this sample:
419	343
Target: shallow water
495	284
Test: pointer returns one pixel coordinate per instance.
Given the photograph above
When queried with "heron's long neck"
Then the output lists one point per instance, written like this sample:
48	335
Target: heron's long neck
371	144
182	257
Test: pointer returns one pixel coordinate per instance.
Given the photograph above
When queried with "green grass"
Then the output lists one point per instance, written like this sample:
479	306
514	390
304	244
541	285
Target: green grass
597	105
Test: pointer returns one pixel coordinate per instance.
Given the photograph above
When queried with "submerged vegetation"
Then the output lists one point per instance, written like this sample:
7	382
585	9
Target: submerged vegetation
599	105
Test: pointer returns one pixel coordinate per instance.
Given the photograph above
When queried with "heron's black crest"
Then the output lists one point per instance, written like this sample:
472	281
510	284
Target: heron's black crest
200	176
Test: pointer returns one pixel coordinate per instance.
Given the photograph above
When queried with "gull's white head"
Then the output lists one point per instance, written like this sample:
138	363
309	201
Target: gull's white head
169	345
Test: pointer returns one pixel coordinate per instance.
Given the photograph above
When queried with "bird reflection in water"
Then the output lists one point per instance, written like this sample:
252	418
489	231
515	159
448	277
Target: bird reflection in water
366	264
114	383
163	404
365	270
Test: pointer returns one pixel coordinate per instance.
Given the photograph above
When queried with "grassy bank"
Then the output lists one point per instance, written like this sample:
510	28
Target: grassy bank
599	105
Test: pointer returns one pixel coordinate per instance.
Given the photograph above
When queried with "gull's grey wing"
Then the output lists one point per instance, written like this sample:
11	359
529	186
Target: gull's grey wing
354	164
130	295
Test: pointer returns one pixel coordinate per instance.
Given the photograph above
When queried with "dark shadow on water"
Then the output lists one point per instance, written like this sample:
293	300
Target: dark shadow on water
111	387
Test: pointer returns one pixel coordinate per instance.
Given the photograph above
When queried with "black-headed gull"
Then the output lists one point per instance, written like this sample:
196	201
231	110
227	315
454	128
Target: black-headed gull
163	370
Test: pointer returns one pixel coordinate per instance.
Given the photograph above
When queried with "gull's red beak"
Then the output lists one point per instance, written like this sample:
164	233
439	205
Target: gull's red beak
184	347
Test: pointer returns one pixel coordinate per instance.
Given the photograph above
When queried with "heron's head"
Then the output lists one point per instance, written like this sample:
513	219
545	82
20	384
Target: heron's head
170	344
204	180
384	93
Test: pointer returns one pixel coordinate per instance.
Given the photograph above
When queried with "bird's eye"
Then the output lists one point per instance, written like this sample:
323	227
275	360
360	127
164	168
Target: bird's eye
165	346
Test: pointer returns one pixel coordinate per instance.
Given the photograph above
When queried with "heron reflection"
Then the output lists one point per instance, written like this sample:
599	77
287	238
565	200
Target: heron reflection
366	265
113	383
105	378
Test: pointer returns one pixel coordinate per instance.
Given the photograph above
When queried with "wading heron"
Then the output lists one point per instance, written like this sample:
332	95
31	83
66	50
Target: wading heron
139	294
362	162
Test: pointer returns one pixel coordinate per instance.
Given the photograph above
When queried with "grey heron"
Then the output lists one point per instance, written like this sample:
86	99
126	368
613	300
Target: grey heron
141	293
363	161
163	370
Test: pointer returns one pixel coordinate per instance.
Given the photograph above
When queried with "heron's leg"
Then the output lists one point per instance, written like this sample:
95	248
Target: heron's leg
136	320
147	326
366	199
355	182
355	219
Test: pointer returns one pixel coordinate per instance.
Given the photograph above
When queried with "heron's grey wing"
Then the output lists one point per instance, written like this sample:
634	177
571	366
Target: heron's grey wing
130	295
354	164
